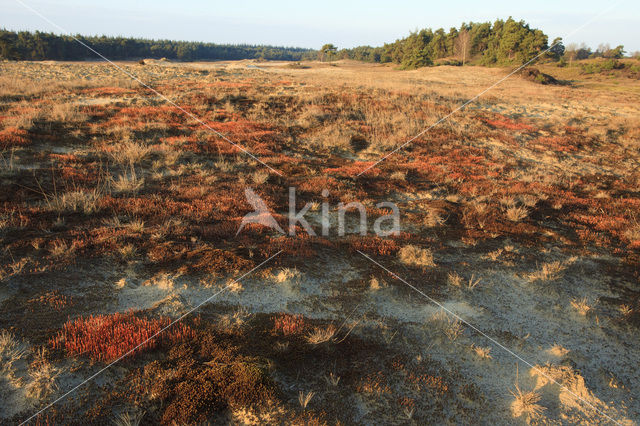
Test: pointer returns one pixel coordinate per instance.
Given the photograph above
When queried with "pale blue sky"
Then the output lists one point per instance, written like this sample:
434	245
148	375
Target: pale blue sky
311	24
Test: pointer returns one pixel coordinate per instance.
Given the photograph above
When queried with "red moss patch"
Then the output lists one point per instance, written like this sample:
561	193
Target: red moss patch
288	324
108	337
502	122
52	299
12	136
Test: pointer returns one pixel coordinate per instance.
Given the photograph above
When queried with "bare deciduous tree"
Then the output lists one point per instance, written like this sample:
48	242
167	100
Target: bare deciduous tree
463	45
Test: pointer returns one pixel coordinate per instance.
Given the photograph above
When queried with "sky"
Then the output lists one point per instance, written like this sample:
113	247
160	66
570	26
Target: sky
345	23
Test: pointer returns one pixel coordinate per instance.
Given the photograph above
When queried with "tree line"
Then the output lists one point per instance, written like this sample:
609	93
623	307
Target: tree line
26	45
576	51
499	43
503	42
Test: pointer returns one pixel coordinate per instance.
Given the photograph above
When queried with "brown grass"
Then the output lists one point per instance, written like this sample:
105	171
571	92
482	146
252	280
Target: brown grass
415	256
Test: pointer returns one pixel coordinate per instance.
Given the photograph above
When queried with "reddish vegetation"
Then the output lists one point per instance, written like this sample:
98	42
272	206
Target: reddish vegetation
353	169
502	122
454	184
108	337
300	246
556	143
373	245
288	324
12	136
52	299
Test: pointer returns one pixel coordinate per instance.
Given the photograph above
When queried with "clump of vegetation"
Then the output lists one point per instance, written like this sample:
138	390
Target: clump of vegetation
321	335
86	202
517	213
501	43
548	272
582	306
288	324
297	66
602	66
533	74
415	256
43	377
204	378
526	404
108	337
11	350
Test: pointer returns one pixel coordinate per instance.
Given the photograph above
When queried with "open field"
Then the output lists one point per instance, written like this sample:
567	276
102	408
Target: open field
119	214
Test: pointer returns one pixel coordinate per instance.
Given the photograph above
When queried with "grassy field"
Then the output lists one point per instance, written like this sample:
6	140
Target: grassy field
119	213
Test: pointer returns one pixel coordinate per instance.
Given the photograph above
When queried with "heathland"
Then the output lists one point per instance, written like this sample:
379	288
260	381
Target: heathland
119	211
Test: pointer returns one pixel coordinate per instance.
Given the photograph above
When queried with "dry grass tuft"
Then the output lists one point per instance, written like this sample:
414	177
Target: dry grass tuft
625	310
75	201
516	214
128	418
526	403
558	351
433	219
529	200
260	177
332	379
454	279
376	284
473	282
224	166
234	286
321	335
129	153
286	274
415	256
11	350
482	353
136	226
304	398
633	233
548	272
453	329
60	248
128	181
401	176
127	252
43	377
582	306
234	320
67	113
